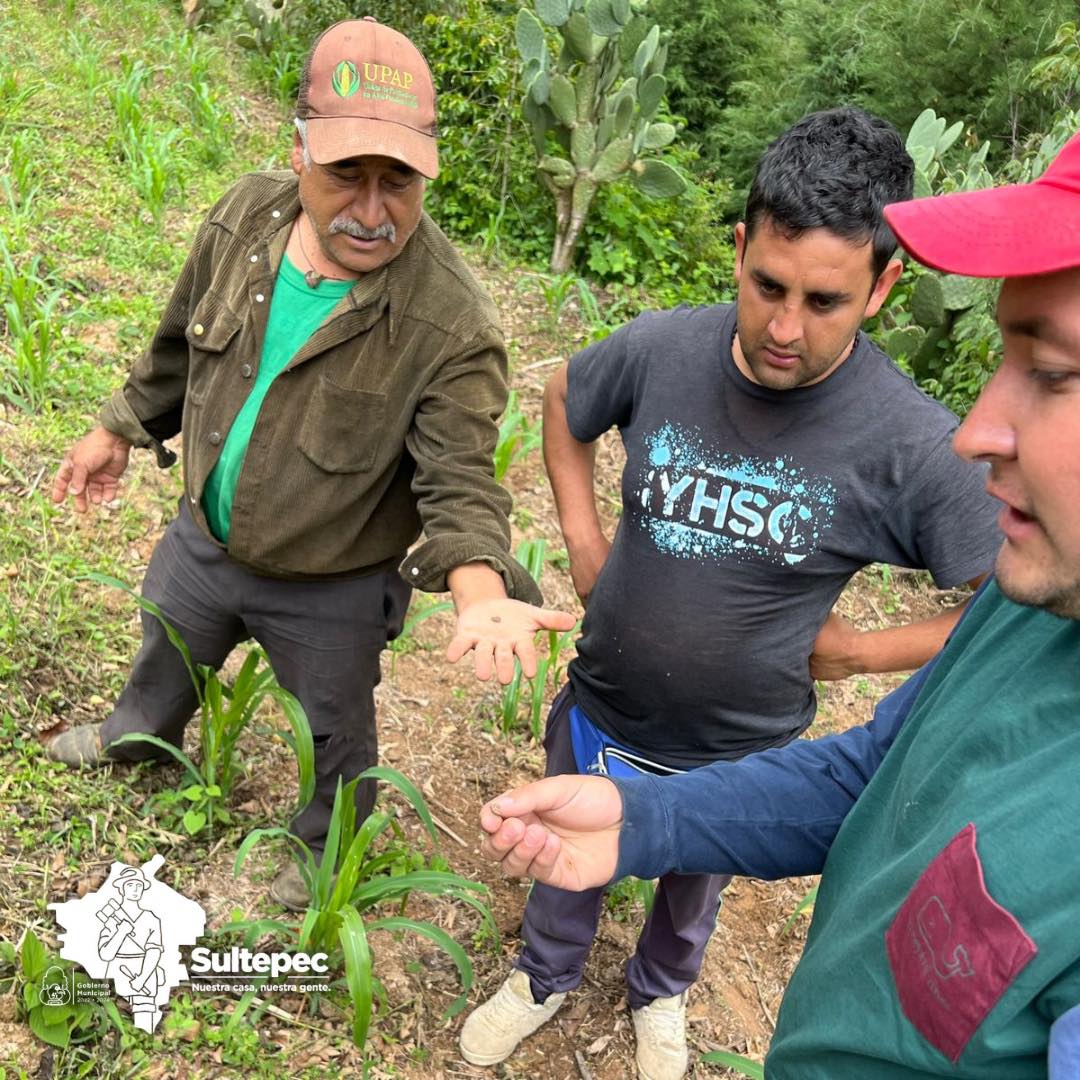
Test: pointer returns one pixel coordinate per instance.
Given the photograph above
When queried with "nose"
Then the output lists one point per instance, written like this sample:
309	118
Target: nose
988	431
367	205
785	327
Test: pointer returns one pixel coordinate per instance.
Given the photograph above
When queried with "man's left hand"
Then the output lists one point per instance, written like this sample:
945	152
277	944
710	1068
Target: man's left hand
497	630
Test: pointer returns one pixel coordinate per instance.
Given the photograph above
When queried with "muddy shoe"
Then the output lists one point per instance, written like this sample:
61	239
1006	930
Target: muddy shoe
494	1029
660	1030
289	890
78	748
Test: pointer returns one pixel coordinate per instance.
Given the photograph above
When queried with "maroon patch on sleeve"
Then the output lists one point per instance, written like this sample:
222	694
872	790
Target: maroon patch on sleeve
953	949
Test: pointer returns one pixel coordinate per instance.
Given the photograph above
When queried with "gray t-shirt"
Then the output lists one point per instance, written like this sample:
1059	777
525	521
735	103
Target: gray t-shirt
745	512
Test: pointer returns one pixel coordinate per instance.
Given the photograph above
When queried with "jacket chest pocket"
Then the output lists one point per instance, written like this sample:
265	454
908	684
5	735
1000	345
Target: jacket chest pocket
210	332
341	428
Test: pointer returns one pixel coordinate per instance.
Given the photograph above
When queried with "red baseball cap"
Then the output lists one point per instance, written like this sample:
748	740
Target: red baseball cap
366	89
1009	231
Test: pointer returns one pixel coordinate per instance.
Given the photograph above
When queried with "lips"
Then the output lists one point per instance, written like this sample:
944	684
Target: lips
780	359
1015	523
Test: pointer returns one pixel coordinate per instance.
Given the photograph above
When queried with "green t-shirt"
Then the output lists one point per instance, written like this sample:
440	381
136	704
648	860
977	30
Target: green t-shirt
296	312
946	920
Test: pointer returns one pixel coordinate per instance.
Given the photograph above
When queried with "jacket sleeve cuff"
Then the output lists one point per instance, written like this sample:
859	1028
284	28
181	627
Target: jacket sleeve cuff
427	565
119	417
645	836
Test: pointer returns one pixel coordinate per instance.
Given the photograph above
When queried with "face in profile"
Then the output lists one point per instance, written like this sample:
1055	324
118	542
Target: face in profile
1026	424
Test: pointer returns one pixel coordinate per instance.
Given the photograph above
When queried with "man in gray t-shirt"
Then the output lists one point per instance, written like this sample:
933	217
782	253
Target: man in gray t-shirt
772	451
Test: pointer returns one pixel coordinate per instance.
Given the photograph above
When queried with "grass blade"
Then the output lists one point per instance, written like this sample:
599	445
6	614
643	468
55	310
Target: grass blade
445	942
354	944
743	1065
142	736
408	789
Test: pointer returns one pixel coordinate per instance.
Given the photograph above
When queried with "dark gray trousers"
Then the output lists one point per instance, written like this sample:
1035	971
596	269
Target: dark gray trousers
559	926
323	639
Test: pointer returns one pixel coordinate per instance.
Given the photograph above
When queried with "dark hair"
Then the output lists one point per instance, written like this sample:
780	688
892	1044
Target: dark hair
834	170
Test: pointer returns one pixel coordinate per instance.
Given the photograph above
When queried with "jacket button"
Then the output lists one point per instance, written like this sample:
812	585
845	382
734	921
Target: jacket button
254	258
245	371
259	298
275	213
197	329
215	438
415	571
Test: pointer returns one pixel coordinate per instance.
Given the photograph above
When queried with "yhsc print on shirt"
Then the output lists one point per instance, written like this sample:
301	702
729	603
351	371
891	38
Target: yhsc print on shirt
698	503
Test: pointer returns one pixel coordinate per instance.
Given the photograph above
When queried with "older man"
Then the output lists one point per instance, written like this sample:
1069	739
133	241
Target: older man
944	941
337	374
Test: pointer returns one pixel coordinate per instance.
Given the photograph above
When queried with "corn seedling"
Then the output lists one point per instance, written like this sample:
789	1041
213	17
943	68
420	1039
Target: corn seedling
33	337
225	711
210	118
351	879
518	436
85	62
533	554
805	904
125	96
13	97
744	1066
153	167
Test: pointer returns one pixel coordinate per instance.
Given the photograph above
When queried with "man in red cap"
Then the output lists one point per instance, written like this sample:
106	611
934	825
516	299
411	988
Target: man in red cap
337	374
944	938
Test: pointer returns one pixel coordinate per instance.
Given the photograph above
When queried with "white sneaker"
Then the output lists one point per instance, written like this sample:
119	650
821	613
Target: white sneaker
660	1030
493	1030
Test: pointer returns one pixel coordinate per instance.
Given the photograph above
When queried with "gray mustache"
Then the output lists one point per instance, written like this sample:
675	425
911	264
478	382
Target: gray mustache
359	232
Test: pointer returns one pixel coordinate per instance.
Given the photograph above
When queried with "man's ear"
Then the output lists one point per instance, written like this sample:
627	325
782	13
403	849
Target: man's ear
296	160
882	287
740	248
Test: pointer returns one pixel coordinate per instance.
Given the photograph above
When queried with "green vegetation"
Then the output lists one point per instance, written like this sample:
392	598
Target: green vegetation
225	711
120	129
598	97
350	879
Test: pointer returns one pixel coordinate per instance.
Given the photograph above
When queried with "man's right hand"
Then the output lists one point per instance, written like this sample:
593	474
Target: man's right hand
563	831
91	469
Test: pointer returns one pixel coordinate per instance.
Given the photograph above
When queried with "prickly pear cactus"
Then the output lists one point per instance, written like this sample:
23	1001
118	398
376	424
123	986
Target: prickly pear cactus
592	105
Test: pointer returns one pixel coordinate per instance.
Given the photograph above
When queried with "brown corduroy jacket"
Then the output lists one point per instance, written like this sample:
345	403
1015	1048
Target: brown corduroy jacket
383	423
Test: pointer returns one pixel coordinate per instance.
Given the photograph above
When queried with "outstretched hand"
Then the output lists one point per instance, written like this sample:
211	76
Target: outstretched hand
499	629
562	831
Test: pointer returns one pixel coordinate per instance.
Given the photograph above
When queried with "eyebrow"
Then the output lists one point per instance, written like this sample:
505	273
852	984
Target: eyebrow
818	295
1043	329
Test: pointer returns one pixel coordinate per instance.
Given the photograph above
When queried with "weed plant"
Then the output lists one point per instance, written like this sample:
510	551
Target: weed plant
225	711
353	878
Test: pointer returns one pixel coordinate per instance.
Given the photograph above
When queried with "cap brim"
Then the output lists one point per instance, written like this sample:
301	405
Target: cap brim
335	138
1011	231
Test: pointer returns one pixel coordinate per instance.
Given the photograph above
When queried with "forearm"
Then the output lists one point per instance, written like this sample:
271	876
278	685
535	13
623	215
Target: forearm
570	466
904	648
771	815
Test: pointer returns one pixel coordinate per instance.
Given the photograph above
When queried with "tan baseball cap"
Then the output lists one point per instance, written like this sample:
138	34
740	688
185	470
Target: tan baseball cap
366	89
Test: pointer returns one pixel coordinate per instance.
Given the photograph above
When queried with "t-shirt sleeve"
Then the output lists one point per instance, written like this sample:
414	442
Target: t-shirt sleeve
944	521
600	384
